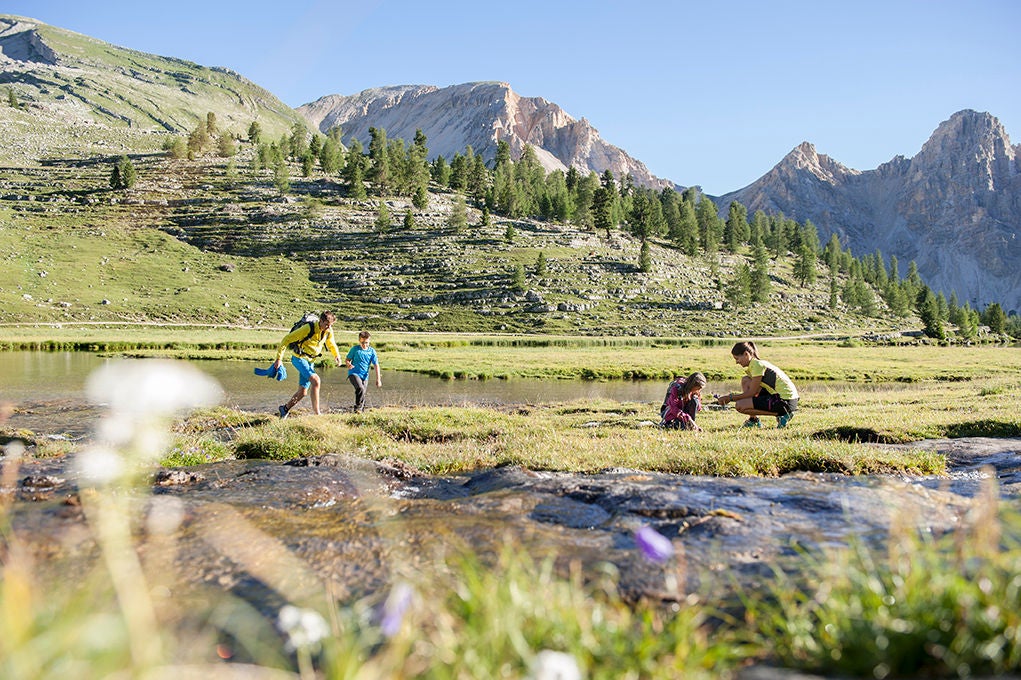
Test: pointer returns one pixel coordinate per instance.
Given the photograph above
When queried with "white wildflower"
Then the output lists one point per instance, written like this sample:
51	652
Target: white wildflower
99	465
551	665
166	513
151	387
304	627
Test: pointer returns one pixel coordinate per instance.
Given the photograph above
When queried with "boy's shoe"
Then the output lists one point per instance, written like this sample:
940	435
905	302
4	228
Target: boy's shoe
753	422
282	412
781	421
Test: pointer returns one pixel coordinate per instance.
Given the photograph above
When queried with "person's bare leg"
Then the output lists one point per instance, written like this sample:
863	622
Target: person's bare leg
298	396
314	395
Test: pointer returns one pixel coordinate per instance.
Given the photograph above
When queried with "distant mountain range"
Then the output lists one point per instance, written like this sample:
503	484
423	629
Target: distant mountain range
954	208
480	115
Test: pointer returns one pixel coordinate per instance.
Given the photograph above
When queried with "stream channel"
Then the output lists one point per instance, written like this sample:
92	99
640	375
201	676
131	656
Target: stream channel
355	523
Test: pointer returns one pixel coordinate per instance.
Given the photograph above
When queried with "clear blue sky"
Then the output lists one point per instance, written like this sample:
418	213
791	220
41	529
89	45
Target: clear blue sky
702	92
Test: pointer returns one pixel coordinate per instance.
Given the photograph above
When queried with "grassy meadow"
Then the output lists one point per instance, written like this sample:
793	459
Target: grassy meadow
923	605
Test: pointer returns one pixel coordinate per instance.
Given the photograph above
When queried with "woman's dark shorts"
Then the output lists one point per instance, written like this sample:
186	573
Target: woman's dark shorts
764	401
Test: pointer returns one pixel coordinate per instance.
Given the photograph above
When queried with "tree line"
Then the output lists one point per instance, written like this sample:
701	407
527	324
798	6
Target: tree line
689	221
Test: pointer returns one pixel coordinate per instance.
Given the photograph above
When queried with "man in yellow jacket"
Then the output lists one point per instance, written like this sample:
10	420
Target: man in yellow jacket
306	343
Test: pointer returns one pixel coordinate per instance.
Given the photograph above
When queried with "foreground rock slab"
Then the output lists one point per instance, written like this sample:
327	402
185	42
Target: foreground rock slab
274	532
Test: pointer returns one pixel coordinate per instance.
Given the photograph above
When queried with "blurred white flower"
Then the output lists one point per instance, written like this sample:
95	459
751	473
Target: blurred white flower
166	513
99	465
304	627
14	449
550	665
151	387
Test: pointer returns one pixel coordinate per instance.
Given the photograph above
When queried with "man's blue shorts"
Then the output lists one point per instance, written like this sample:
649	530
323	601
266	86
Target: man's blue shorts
305	371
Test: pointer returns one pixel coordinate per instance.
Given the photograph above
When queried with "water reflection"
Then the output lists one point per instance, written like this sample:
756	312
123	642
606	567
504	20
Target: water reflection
47	389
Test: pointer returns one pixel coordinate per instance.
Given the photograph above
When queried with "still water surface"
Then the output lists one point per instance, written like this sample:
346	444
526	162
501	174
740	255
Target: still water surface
47	389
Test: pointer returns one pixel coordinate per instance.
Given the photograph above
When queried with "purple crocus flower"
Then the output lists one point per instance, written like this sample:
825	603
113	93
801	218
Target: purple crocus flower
394	608
655	546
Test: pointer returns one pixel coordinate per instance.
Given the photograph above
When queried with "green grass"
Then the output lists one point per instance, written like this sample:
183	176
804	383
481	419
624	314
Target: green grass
924	606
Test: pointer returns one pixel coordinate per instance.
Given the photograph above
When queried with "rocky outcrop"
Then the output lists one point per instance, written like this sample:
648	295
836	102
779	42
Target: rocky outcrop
19	41
479	115
955	208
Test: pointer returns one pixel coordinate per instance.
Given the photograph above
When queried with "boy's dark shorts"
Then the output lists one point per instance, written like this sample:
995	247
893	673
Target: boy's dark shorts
764	401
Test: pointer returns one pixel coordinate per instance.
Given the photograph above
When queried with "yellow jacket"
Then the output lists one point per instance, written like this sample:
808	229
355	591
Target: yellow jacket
312	346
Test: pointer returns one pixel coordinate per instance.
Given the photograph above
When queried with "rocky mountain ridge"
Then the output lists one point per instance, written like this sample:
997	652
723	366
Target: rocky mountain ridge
954	208
478	114
79	96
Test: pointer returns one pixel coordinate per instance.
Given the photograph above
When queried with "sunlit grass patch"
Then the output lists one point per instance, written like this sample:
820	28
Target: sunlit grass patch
924	606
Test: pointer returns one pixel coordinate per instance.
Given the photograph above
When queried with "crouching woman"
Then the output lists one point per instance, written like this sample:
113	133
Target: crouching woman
765	389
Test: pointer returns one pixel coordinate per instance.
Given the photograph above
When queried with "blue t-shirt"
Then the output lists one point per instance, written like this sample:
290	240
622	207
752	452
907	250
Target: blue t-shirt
361	361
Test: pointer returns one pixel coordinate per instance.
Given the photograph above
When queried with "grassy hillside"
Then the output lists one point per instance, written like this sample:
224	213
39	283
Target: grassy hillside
81	96
212	241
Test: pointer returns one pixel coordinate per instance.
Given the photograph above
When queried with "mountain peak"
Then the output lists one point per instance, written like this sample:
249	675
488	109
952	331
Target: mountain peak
480	114
804	158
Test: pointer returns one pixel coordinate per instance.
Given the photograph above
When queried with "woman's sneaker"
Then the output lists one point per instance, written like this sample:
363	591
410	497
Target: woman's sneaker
781	421
282	412
752	422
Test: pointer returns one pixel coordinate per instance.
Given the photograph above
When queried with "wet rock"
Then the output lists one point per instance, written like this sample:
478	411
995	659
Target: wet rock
347	520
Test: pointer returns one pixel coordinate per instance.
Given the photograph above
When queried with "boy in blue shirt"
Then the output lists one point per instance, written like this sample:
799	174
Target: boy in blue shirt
360	359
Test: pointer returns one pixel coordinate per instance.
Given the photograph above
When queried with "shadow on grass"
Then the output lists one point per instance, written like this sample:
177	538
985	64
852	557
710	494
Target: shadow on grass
985	428
856	435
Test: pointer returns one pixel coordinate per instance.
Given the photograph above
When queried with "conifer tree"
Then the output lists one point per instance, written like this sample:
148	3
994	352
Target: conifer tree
687	237
354	171
458	218
409	221
308	164
421	198
645	258
198	140
994	317
123	175
440	171
12	99
928	310
175	147
710	226
739	289
225	146
736	229
255	132
331	156
540	265
128	174
509	233
603	203
281	175
230	174
382	222
379	161
760	283
297	143
518	281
